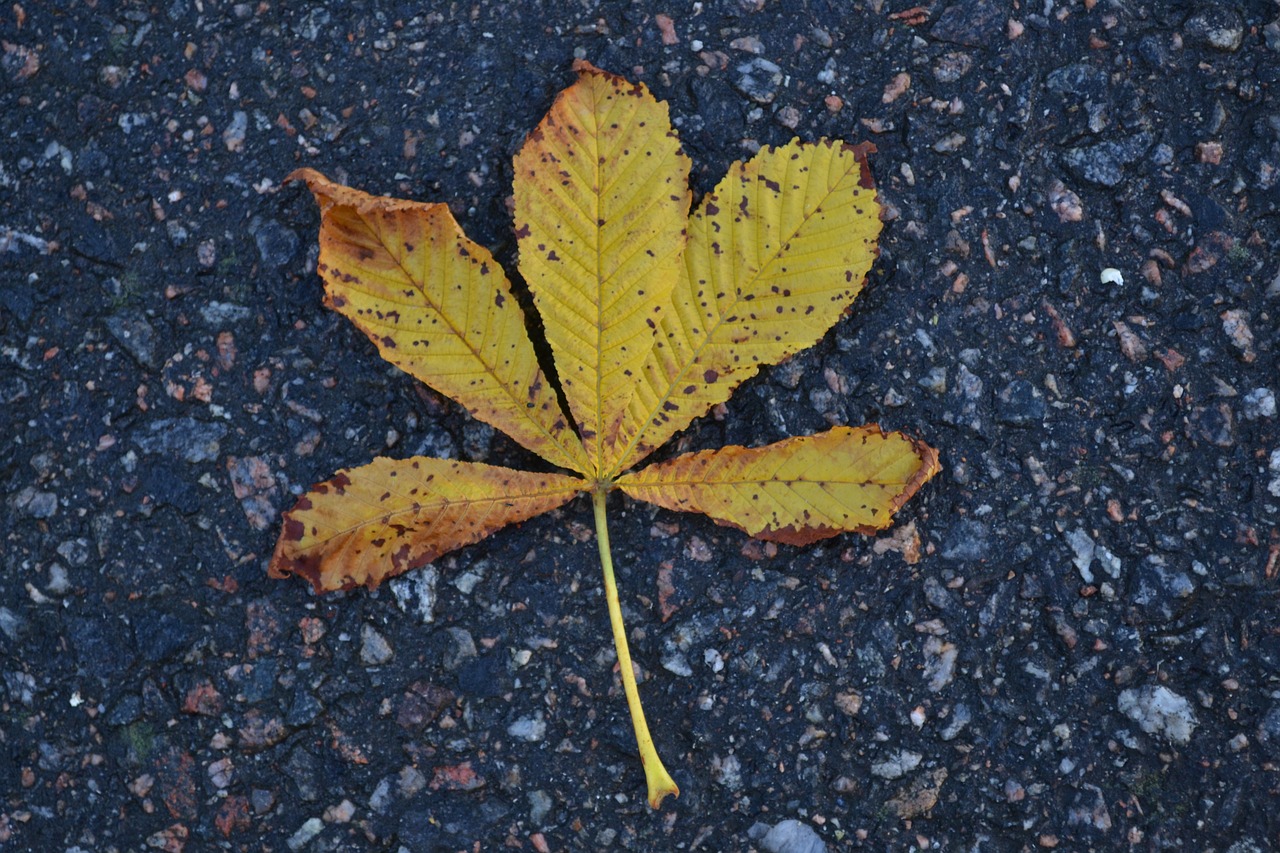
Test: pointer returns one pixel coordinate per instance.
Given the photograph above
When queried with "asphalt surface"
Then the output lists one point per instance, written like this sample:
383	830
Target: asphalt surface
1068	641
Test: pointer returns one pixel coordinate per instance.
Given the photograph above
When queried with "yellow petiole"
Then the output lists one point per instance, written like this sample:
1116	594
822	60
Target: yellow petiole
656	776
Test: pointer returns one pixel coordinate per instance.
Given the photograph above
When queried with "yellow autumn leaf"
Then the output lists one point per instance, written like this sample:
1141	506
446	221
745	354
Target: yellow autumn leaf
367	524
439	307
798	490
602	194
651	316
777	252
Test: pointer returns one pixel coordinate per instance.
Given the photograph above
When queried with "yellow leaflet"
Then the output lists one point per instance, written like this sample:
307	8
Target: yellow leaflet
392	515
601	193
439	307
776	254
798	490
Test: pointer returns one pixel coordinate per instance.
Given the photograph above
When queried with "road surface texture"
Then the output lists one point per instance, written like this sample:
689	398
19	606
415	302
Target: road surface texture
1069	639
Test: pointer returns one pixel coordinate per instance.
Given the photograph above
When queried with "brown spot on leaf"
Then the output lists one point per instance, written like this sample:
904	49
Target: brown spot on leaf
293	528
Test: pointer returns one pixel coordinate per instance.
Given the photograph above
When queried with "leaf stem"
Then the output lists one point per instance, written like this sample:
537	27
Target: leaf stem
657	778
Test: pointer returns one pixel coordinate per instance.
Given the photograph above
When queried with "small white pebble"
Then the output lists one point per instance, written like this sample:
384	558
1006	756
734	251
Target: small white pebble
1111	275
917	716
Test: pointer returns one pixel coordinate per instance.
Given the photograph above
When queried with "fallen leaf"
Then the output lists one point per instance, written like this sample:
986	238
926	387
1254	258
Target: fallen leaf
652	315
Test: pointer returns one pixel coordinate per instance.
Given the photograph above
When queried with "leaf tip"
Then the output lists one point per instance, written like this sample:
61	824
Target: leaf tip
314	180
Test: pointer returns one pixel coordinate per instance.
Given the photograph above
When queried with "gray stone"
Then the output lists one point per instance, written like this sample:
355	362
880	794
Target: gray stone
178	233
1159	711
938	595
529	729
727	771
185	438
939	663
35	503
1089	809
221	314
263	800
59	580
960	717
1214	424
136	335
1258	403
1078	80
410	781
74	551
897	765
967	541
972	23
952	66
21	687
759	80
477	439
1271	35
466	582
380	799
676	663
309	25
460	648
540	804
1103	164
1217	27
964	399
1084	548
1161	589
416	592
374	648
309	830
303	710
276	244
234	134
1269	730
1020	404
792	836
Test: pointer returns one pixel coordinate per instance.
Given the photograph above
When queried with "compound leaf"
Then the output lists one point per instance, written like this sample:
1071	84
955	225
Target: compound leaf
652	318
